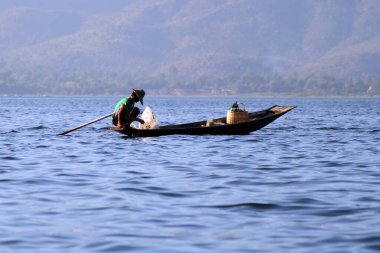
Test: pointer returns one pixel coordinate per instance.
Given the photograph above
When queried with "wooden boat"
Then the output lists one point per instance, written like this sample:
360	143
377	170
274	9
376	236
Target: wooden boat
256	121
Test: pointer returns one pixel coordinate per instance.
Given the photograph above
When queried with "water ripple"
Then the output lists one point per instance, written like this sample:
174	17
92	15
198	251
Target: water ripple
252	205
305	183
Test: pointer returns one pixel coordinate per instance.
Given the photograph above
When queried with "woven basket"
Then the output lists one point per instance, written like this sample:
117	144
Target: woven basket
234	117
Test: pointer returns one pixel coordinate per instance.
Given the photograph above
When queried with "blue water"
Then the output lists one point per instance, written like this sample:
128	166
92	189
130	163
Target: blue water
308	182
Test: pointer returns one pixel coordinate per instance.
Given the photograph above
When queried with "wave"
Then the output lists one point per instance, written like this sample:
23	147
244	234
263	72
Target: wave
253	205
13	131
331	128
340	212
40	127
152	191
284	128
10	158
19	130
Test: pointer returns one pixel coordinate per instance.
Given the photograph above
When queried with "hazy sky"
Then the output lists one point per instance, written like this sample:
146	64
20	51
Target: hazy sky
96	6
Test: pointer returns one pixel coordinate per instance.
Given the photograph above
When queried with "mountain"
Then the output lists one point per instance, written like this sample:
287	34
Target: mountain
189	42
24	27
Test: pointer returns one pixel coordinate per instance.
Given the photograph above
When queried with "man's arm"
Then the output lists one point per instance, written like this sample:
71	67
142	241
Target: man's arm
121	117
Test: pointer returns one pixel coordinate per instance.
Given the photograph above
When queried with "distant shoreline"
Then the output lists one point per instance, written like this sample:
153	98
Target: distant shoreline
251	95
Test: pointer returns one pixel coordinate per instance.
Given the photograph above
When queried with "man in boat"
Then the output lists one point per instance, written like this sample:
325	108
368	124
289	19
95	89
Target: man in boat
125	110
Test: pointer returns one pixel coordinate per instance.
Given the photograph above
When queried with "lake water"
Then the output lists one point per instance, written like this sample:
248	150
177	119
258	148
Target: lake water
308	182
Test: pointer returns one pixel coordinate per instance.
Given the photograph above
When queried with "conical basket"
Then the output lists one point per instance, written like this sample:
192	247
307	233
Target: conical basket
234	117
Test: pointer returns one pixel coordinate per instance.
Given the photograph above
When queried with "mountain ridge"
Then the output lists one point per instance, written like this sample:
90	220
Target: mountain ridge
193	39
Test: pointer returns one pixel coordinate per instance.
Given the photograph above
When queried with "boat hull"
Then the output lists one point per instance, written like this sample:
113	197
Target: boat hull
256	121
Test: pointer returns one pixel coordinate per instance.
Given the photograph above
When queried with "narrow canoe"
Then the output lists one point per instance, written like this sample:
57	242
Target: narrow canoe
256	120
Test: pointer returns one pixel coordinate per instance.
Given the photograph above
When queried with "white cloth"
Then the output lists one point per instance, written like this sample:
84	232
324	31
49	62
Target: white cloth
149	118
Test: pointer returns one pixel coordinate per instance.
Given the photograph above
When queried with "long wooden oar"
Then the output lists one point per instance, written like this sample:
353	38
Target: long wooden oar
86	124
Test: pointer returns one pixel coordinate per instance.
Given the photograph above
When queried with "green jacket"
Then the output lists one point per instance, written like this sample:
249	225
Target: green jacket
128	103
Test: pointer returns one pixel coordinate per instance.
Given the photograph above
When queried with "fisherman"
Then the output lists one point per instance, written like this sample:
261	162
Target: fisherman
125	111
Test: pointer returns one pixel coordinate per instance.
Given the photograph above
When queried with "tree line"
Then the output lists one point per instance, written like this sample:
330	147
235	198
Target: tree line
85	83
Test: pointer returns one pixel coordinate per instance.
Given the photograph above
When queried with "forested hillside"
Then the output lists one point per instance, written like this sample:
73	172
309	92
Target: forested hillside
301	47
